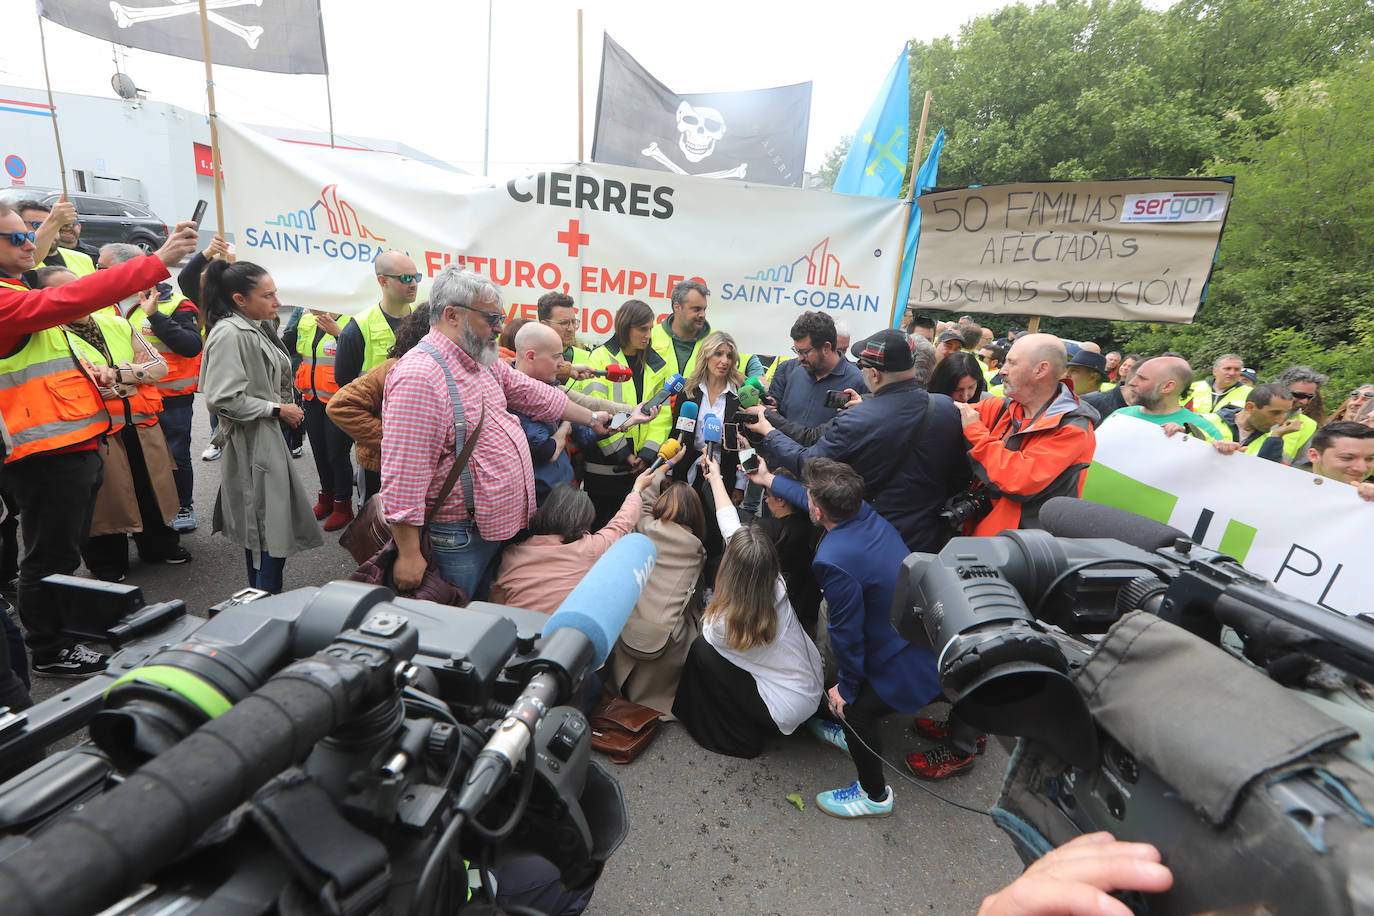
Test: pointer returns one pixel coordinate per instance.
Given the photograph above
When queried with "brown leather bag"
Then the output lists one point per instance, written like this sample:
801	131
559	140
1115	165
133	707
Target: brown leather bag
367	533
622	729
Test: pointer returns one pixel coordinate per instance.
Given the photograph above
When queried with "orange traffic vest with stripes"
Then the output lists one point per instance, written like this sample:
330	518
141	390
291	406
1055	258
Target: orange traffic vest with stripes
315	374
183	372
146	402
47	402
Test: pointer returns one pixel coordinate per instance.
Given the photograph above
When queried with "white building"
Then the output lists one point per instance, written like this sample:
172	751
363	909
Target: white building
134	148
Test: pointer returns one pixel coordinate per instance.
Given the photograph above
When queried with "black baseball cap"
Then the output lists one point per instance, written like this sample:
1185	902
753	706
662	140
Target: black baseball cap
889	350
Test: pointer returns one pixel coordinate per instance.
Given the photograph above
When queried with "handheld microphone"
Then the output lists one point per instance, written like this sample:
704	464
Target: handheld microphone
712	434
576	639
666	452
749	396
686	421
673	386
755	383
615	373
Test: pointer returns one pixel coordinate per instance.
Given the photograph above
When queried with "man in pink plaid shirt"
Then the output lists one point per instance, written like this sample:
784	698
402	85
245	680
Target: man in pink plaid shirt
419	444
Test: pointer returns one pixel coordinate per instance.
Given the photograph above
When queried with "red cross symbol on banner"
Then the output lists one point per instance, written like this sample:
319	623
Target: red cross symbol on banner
574	238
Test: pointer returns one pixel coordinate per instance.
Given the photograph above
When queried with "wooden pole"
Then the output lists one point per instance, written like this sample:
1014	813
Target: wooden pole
910	196
580	146
1034	325
214	129
61	164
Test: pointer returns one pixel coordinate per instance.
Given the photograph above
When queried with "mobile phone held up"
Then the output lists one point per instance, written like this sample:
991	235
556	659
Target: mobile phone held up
836	398
199	213
749	460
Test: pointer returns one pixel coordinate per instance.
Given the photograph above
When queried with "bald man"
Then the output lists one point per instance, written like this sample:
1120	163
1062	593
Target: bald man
1156	386
366	337
1032	444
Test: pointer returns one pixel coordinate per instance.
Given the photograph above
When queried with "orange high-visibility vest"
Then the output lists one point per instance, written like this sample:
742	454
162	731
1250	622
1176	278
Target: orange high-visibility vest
47	401
145	403
315	374
183	372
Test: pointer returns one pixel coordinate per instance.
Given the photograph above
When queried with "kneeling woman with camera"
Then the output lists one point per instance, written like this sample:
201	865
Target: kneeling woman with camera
753	674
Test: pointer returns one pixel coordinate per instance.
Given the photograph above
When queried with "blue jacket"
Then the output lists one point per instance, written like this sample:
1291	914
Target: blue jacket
873	437
857	566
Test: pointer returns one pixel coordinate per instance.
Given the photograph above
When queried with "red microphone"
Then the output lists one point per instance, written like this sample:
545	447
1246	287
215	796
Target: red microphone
616	373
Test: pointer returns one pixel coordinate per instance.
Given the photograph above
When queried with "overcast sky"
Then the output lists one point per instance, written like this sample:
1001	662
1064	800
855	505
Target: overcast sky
415	70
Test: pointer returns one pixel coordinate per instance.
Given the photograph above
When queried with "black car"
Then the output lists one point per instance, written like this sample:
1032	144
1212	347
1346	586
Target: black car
103	219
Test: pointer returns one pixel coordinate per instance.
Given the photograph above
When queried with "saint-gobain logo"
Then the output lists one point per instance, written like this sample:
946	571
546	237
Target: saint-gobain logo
1174	207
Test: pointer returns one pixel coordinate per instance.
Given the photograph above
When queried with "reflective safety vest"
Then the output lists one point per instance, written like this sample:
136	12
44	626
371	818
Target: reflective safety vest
183	372
315	374
77	262
1205	401
617	448
47	402
773	370
145	403
1294	441
662	344
378	338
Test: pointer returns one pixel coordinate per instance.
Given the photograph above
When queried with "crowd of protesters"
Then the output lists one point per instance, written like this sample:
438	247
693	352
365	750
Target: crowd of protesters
781	494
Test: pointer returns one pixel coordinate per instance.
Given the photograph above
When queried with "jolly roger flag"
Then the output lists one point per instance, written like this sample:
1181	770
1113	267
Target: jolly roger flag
758	135
281	36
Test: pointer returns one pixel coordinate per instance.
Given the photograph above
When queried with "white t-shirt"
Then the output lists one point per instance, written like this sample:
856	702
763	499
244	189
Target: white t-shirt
787	670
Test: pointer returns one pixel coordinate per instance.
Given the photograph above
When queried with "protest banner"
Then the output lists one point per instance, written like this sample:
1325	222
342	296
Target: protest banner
1303	532
316	218
1129	250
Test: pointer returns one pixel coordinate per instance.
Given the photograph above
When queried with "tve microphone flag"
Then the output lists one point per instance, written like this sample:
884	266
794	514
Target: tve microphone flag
757	135
281	36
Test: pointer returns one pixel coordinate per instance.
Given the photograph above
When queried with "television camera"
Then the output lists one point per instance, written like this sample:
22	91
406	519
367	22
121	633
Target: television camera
330	750
1161	692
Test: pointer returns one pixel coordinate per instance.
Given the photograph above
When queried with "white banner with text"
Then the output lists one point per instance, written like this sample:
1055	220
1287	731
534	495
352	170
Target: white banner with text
317	217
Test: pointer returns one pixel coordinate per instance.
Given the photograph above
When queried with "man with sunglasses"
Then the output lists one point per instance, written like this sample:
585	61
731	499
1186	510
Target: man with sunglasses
365	338
55	416
1304	385
68	252
494	497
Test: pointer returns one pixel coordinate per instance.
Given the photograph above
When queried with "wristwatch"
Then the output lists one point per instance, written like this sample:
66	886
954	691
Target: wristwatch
276	411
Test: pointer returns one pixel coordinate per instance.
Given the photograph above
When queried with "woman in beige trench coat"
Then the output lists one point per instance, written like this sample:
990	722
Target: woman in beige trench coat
246	378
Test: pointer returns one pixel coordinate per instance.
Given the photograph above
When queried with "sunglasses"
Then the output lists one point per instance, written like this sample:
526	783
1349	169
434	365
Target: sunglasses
406	278
1363	394
1300	396
495	319
17	239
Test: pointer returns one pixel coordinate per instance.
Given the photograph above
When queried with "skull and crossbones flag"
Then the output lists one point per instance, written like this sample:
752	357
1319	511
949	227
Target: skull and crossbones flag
757	135
280	36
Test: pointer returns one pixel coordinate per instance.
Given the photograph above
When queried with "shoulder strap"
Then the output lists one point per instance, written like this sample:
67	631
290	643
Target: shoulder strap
877	486
460	464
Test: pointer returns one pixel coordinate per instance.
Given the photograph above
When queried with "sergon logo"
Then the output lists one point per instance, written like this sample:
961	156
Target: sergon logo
1174	207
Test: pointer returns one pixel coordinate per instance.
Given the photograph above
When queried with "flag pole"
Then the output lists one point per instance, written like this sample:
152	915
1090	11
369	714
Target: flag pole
61	164
486	127
328	87
579	87
214	129
910	195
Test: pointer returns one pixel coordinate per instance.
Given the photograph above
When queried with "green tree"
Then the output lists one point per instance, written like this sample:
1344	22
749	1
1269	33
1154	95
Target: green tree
834	160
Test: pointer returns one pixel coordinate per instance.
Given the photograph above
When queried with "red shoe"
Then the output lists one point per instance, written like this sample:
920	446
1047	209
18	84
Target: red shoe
938	730
324	505
340	517
938	763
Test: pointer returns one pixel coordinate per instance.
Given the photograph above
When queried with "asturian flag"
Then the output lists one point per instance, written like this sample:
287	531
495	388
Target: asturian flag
877	158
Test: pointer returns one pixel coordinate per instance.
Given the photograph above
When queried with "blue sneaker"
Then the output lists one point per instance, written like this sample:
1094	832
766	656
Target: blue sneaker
853	801
830	733
185	520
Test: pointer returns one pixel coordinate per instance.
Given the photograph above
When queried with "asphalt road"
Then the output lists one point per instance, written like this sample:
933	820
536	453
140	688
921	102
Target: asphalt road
709	834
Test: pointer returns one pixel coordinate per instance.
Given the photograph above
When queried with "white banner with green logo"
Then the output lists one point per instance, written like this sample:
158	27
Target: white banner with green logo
1304	532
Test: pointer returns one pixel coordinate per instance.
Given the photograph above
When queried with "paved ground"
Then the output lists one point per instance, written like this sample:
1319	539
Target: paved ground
709	834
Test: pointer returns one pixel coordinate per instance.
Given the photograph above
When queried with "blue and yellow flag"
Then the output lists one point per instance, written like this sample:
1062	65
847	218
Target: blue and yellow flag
877	159
924	181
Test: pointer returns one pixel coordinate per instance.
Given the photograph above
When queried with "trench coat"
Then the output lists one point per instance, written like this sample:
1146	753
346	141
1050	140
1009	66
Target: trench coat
262	505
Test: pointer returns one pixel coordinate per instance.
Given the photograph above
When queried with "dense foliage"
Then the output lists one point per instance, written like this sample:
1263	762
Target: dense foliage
1279	93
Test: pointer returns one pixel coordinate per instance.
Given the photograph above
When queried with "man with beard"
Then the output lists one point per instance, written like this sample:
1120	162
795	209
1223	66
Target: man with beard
365	338
494	495
801	384
1155	388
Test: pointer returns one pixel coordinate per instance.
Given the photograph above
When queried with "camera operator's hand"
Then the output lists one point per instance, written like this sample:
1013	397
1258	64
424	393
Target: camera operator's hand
1076	878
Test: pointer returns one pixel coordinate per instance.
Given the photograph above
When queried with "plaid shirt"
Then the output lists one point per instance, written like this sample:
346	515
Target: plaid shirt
418	444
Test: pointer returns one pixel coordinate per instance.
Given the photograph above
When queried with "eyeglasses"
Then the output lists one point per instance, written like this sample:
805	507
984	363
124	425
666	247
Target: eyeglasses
1363	394
568	324
495	319
1300	396
17	239
406	278
864	364
804	351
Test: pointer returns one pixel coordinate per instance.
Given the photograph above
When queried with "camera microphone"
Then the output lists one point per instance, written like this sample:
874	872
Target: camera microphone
673	386
576	639
712	434
666	452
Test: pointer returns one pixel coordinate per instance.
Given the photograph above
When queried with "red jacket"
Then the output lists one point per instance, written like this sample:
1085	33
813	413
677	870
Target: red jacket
24	311
1026	463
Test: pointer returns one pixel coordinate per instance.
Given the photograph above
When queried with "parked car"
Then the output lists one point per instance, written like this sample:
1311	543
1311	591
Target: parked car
103	219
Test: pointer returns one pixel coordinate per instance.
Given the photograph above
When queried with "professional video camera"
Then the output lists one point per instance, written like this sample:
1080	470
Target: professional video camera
327	750
1156	688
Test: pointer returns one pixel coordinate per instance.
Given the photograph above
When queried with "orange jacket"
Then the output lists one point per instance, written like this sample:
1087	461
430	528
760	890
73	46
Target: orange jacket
1025	461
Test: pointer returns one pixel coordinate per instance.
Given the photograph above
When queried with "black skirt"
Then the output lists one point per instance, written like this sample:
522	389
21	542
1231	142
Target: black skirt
719	704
